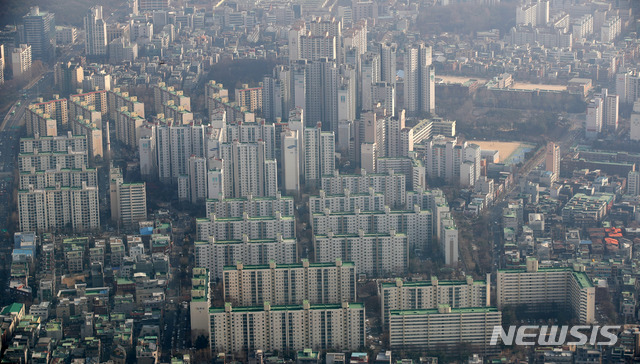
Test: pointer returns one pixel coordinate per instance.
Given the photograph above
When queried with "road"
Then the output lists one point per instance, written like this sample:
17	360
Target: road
566	141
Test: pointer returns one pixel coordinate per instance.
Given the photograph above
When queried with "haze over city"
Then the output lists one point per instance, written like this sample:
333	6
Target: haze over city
310	181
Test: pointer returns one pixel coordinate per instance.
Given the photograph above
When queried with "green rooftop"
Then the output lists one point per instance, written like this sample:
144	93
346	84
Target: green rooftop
12	308
352	305
288	266
433	311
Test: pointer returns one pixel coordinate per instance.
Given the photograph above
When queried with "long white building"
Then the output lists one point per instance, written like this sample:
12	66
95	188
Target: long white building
548	289
319	327
376	255
444	328
417	224
54	209
346	202
392	185
289	284
255	227
420	295
163	93
253	206
216	254
63	177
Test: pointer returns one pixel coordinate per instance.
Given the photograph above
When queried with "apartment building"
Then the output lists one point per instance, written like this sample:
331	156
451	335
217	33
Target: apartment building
255	227
374	254
82	126
292	327
417	224
57	208
346	202
39	122
57	108
163	93
253	206
290	284
117	99
548	289
216	254
200	302
444	328
421	295
53	177
392	185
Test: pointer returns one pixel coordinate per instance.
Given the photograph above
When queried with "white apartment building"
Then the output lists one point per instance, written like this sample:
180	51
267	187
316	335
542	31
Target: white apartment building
52	160
319	327
163	93
21	60
552	158
388	62
315	47
175	144
248	132
449	239
421	295
375	254
347	202
416	224
147	153
444	328
384	93
81	126
47	153
53	209
63	177
369	75
419	80
127	127
247	170
453	162
216	254
95	29
249	98
252	206
548	289
197	181
319	154
392	185
200	302
633	183
117	99
178	114
40	122
289	284
128	200
432	200
634	132
255	227
78	107
291	148
409	166
56	108
594	120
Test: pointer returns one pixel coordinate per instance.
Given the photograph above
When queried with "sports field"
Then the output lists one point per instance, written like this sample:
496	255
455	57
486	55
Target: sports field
510	152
